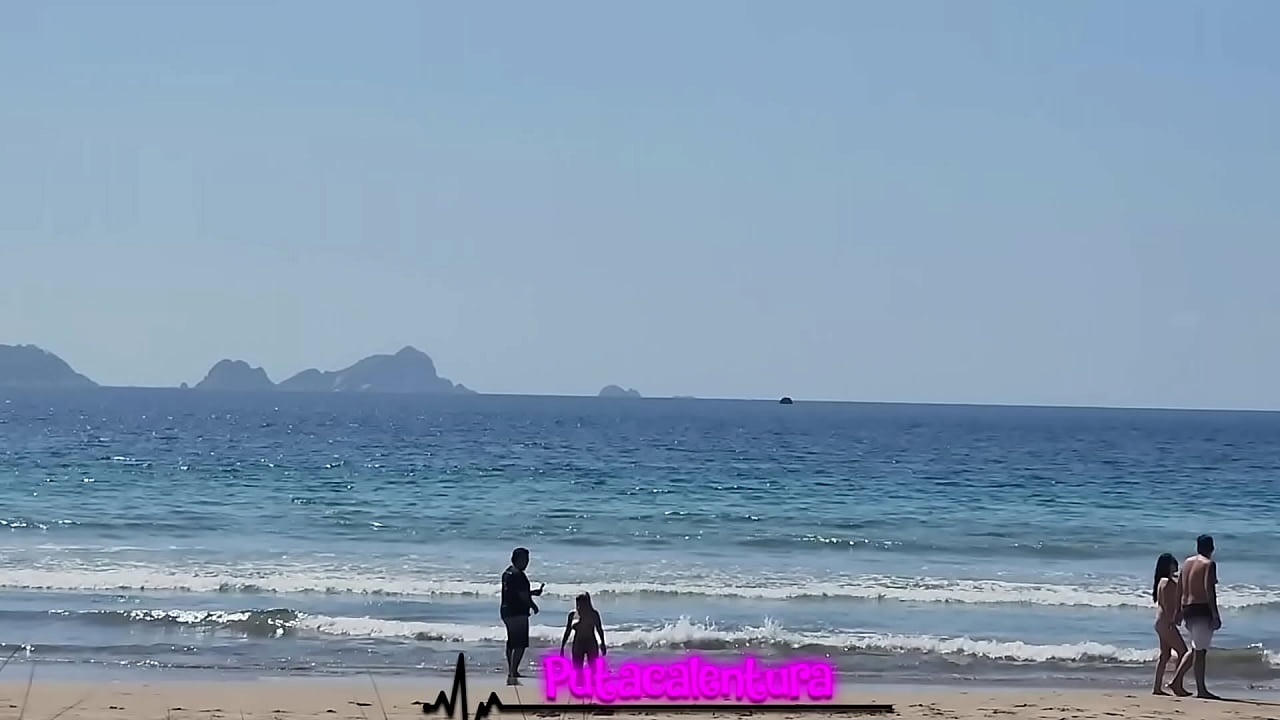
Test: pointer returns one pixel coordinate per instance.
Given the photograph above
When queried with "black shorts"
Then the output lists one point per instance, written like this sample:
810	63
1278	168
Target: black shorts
517	631
1197	611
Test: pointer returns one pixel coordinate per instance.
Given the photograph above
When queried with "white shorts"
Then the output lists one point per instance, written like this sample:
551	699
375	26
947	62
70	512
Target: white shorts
1201	632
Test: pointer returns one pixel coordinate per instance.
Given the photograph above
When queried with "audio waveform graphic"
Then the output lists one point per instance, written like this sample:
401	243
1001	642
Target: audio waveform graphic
456	699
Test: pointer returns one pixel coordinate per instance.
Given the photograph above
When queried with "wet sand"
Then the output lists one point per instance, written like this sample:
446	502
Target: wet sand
354	699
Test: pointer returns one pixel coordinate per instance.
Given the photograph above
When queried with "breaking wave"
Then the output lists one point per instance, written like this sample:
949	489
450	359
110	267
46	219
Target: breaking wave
681	635
860	588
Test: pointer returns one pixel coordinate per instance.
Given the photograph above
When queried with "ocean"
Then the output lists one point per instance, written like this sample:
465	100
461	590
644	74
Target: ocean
175	532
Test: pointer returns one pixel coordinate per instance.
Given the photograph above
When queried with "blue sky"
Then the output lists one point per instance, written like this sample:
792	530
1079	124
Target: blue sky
921	201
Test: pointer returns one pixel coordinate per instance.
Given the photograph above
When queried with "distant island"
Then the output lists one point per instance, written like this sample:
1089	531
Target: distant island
235	375
27	366
615	391
409	371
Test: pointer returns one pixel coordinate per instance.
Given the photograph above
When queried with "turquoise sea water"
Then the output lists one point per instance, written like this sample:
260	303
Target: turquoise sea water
148	531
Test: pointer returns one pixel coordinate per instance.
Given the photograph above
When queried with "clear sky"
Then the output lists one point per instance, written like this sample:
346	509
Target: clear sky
1027	202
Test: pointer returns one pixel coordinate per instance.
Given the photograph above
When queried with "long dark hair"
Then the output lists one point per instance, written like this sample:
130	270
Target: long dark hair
1166	564
583	601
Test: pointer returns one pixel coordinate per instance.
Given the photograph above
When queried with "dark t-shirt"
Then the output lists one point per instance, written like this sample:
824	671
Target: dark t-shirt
515	588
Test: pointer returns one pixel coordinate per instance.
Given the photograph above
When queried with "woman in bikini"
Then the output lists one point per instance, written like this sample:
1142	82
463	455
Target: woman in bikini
584	623
1168	600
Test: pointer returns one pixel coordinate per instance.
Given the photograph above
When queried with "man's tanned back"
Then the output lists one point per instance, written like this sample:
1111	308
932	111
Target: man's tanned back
1198	574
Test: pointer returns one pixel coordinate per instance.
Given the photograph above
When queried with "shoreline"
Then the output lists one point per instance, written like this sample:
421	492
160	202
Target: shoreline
295	698
486	675
491	679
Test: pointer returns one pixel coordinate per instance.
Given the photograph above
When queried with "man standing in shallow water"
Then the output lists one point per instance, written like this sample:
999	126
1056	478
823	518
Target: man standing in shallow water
517	601
1199	581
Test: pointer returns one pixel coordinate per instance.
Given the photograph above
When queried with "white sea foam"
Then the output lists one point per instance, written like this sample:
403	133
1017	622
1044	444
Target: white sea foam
346	580
686	634
1272	657
682	634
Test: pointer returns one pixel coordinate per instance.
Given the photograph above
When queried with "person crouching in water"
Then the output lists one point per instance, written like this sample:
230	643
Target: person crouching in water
584	624
1168	599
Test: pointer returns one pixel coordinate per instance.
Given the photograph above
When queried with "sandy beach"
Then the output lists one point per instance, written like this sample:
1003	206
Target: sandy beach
348	699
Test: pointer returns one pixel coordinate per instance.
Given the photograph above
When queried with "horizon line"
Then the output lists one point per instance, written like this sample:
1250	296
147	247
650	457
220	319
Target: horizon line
683	398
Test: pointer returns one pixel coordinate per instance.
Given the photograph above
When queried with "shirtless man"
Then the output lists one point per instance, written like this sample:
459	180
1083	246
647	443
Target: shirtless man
1199	580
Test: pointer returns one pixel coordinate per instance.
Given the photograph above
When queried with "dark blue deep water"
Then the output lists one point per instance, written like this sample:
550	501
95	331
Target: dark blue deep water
158	530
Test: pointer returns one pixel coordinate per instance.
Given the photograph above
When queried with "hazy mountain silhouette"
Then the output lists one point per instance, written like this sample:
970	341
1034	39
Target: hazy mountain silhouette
27	366
235	375
409	371
615	391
